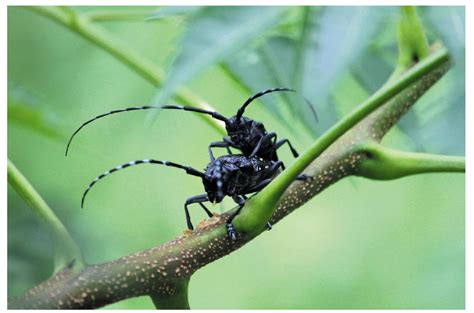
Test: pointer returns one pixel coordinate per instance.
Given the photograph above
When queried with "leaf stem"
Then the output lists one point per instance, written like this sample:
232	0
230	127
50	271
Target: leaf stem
82	25
67	249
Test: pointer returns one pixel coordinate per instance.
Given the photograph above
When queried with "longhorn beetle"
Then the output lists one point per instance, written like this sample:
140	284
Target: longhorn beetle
244	134
228	175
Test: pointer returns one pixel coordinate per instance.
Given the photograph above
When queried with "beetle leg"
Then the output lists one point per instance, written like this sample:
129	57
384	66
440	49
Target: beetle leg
302	177
230	228
268	136
305	177
209	213
226	143
231	144
276	166
260	185
282	142
196	199
220	144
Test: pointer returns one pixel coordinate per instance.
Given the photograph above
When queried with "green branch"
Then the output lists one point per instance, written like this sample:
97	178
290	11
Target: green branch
134	15
384	163
260	208
82	25
412	42
67	250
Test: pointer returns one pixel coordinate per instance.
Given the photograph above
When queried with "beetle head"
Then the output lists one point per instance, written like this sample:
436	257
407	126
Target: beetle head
239	129
213	182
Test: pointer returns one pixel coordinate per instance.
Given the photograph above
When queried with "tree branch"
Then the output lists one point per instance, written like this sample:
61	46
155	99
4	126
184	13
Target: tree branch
383	163
161	271
261	207
348	148
179	300
67	252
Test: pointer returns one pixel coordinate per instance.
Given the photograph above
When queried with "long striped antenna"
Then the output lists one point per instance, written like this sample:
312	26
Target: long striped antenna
189	170
215	115
241	110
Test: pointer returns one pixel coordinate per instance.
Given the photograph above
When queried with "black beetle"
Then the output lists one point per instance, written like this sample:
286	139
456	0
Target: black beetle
245	134
229	175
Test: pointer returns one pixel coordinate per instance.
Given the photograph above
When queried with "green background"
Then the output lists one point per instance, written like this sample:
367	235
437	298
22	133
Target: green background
359	244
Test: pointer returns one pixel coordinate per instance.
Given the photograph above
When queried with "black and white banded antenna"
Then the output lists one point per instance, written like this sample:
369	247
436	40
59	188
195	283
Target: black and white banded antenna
189	170
215	115
241	110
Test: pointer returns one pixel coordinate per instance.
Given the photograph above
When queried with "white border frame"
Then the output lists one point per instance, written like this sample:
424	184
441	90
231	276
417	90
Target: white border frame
469	216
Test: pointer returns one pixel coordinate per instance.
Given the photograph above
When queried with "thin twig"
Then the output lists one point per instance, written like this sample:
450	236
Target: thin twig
82	25
66	249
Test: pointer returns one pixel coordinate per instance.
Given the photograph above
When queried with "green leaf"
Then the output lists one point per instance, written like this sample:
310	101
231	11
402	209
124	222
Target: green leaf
436	120
449	24
212	34
371	70
267	65
247	70
337	38
278	55
284	61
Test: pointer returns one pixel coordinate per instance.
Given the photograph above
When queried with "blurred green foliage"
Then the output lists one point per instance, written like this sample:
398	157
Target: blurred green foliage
360	244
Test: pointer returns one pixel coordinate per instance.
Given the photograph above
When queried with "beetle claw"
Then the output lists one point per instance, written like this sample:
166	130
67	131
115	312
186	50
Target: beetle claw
231	231
305	177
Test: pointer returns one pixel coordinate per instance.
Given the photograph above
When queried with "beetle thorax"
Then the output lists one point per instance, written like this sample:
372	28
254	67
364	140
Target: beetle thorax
245	133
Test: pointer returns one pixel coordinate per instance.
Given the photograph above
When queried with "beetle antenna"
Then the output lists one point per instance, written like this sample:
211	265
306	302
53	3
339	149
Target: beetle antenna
215	115
313	110
241	110
189	170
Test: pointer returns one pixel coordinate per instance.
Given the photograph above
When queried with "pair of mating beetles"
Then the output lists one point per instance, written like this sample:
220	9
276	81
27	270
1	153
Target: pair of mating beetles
233	175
